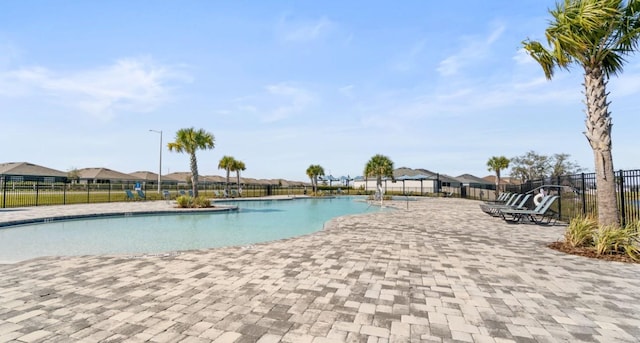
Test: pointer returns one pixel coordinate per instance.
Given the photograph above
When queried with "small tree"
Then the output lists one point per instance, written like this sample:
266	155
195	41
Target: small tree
238	166
227	163
189	141
313	172
379	166
497	164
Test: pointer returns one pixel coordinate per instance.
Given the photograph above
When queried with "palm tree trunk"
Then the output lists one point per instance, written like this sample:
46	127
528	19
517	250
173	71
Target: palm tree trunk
228	188
598	134
194	175
238	176
497	183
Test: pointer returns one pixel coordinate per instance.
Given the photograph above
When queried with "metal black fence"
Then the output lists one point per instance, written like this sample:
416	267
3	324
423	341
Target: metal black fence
578	194
18	191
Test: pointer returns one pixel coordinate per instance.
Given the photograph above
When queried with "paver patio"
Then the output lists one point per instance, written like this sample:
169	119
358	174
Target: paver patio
440	271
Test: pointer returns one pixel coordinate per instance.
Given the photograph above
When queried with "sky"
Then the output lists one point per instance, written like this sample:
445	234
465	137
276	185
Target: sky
285	84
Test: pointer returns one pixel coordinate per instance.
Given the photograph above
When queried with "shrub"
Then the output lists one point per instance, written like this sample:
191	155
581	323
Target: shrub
184	201
201	202
580	231
614	240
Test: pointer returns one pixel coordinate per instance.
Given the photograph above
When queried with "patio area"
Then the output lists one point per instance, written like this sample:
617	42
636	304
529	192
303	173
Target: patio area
439	271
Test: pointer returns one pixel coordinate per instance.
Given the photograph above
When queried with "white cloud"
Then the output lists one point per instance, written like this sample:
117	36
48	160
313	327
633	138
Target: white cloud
347	90
131	85
409	61
303	31
475	48
291	100
522	57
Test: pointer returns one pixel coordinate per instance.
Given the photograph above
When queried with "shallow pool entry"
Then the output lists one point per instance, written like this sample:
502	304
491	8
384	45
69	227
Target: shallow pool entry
254	222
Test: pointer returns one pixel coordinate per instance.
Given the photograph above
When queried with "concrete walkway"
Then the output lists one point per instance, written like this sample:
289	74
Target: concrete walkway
441	271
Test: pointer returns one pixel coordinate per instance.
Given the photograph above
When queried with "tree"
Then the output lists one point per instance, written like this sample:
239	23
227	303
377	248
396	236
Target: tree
562	166
190	140
379	166
313	172
496	164
237	167
227	163
596	35
73	175
530	166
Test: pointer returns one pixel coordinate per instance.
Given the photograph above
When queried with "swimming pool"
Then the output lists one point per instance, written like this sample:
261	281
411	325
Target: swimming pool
255	221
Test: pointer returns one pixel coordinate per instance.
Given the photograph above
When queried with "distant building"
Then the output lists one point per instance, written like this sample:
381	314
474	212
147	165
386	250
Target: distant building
407	180
105	175
24	171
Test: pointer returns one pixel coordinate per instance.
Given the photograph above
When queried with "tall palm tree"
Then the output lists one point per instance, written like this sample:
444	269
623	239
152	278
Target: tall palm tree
496	164
313	172
596	35
237	167
379	166
227	163
189	141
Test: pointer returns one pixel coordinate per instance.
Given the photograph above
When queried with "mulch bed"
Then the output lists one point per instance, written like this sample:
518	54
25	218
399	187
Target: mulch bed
586	252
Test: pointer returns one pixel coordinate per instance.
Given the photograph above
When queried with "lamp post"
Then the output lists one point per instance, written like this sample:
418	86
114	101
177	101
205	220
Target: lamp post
160	167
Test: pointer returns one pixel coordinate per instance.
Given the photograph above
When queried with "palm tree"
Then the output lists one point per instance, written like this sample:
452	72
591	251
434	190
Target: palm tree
379	166
189	141
227	163
313	172
496	164
237	167
597	35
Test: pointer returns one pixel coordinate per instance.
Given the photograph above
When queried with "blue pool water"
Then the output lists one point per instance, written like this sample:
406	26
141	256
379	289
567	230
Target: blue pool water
255	221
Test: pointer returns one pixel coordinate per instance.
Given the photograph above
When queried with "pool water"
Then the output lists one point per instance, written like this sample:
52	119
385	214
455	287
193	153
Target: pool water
255	221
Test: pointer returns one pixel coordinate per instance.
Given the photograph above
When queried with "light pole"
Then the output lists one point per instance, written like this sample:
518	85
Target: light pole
160	167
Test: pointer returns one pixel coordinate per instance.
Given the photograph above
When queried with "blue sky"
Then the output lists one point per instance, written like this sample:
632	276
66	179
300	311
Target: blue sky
286	84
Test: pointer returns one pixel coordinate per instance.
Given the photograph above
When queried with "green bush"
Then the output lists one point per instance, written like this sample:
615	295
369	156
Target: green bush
201	202
615	240
184	201
579	232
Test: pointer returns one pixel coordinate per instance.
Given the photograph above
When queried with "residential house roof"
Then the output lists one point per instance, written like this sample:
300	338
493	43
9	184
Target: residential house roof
105	174
25	168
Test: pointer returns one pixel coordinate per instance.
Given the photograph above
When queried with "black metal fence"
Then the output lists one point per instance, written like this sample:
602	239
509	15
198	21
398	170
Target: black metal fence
578	194
18	191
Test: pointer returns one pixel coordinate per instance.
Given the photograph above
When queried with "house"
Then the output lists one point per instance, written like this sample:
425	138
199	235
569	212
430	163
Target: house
105	175
24	171
407	180
476	187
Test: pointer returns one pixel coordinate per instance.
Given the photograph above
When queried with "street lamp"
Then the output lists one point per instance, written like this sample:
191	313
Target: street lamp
160	167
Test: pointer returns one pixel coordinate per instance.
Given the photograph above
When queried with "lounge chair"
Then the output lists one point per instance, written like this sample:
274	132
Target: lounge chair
182	192
191	193
501	199
234	193
217	194
537	215
518	204
489	208
129	194
166	195
141	195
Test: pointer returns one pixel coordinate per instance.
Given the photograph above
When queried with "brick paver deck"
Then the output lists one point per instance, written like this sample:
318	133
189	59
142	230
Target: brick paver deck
440	271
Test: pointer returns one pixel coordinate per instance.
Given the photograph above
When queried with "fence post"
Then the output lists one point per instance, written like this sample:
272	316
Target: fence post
87	191
622	202
584	196
4	192
37	189
64	193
